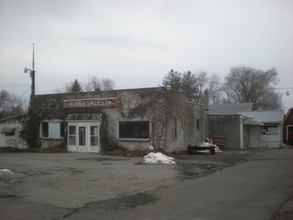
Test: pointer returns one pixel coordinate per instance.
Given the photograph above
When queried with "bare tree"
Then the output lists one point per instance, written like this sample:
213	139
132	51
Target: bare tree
202	80
215	89
246	84
10	104
107	84
95	83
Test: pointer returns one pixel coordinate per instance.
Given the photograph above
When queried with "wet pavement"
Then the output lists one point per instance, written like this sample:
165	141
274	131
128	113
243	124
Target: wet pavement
84	186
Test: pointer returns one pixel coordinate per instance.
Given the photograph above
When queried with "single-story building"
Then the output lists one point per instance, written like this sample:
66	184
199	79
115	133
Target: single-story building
130	118
288	127
10	129
241	127
225	121
269	131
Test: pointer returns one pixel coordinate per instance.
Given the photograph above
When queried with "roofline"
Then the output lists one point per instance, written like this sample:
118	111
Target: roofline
236	114
288	112
14	116
114	90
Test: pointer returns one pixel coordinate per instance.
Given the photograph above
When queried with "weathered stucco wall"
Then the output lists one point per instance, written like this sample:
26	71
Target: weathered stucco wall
228	126
157	105
271	141
12	139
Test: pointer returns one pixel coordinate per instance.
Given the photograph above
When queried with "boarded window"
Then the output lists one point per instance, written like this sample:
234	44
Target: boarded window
8	131
134	129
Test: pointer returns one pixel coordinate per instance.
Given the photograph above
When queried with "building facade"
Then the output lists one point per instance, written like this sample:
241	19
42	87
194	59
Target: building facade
225	121
105	120
243	128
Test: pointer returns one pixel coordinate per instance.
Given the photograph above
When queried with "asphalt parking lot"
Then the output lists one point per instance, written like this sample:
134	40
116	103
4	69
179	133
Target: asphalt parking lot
58	186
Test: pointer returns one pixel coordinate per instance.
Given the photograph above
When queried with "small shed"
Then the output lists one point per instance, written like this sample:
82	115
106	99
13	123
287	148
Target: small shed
10	131
270	128
225	121
243	128
288	127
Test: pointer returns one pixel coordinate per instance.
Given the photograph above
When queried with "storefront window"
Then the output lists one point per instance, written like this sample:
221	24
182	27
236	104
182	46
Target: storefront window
52	129
134	129
94	136
72	135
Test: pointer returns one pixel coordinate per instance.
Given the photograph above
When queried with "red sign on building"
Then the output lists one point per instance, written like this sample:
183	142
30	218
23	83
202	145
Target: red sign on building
91	103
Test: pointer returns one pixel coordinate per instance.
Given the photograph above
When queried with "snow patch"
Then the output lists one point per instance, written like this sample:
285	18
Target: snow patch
6	172
157	158
207	144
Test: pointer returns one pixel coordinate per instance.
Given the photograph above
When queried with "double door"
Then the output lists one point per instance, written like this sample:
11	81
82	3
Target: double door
83	137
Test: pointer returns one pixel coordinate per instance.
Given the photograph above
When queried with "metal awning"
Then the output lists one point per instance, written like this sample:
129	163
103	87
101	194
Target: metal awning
8	130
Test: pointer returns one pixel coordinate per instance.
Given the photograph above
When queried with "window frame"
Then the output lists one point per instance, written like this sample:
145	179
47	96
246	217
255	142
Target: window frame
48	122
265	130
94	138
72	136
133	138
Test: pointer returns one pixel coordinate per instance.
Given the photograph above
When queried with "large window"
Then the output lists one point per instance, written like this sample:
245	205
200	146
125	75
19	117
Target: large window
94	136
134	129
269	130
52	129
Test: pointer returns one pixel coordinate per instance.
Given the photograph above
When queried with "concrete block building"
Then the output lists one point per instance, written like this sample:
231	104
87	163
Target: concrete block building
105	120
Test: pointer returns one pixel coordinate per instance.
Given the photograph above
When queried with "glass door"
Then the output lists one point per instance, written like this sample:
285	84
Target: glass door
82	136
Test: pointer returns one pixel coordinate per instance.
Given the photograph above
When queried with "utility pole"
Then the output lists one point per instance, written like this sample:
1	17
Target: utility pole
32	75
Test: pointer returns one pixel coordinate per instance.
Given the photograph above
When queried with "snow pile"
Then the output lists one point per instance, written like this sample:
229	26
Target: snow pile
5	172
157	158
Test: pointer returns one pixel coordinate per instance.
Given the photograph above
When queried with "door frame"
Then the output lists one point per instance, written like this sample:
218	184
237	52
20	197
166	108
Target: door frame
87	147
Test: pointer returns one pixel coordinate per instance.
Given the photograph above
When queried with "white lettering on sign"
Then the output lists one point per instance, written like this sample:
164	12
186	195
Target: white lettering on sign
92	102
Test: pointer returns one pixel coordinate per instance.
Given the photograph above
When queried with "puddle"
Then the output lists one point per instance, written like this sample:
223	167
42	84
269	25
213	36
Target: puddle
191	171
102	159
8	196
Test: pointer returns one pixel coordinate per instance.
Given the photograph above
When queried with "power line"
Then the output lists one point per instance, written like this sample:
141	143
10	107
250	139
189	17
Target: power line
284	88
14	84
24	92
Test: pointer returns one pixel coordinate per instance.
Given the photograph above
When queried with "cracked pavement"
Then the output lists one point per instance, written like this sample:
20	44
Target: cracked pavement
247	184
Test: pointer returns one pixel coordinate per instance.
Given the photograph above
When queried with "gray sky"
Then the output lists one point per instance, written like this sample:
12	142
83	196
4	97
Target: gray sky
137	42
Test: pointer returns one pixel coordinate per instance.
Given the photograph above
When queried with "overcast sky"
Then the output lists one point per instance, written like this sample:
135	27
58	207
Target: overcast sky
136	42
